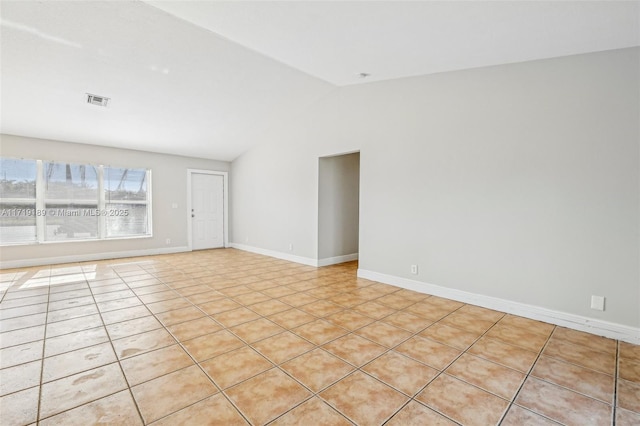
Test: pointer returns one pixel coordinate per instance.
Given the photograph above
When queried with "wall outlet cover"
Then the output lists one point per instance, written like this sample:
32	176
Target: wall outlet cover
597	303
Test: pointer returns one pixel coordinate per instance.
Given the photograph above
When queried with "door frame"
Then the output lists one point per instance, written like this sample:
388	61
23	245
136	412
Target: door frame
225	201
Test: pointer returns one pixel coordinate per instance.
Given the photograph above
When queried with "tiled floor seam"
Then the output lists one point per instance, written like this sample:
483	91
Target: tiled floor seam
611	403
478	387
81	405
315	394
270	422
310	397
206	375
527	375
615	384
578	365
555	421
457	357
126	379
433	408
44	346
356	369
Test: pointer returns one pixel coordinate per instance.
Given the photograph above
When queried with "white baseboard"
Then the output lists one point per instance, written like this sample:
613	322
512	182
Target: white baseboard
577	322
89	257
278	255
337	259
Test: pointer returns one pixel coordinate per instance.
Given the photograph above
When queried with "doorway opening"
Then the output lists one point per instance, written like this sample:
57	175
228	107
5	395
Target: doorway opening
338	208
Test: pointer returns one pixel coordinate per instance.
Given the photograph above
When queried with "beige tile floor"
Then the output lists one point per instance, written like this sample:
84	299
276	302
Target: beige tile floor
227	337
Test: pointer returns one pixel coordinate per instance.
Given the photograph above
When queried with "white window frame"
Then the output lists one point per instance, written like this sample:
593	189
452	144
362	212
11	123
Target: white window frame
101	231
103	202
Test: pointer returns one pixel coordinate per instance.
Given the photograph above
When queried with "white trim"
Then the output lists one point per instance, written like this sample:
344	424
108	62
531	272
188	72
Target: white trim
40	222
278	255
102	219
577	322
225	183
337	259
149	202
355	151
89	257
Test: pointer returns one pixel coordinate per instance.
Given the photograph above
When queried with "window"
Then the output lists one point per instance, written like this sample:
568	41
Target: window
70	195
126	191
18	200
55	201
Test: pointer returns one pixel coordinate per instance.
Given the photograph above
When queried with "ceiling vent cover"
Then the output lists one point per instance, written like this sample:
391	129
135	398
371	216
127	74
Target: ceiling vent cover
97	100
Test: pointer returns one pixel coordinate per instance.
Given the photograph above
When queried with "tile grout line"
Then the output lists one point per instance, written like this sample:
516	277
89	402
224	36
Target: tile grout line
44	347
135	403
441	372
527	375
564	387
179	342
616	372
278	366
110	342
388	349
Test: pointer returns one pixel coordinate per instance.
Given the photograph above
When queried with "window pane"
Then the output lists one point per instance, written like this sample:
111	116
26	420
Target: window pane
17	222
126	196
71	201
17	178
126	220
125	184
17	200
71	222
70	182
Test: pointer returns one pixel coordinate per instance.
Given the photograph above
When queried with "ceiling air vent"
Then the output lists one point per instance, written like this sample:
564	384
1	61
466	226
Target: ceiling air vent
97	100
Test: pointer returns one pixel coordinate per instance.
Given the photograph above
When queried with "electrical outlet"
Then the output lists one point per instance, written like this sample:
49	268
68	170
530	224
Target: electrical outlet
246	239
174	205
168	241
290	247
597	303
414	269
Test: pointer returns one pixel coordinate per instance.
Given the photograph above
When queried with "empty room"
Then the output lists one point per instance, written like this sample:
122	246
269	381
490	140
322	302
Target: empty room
319	212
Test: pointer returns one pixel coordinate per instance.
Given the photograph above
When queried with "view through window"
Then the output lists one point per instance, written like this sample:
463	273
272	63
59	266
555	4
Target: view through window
54	201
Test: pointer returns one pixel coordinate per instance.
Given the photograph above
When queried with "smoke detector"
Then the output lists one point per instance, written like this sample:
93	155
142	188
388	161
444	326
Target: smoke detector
97	100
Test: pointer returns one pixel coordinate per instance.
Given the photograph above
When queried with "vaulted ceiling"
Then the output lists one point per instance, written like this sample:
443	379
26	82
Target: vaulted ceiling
207	78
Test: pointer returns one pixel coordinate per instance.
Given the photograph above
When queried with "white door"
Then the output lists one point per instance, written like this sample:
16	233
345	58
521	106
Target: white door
207	211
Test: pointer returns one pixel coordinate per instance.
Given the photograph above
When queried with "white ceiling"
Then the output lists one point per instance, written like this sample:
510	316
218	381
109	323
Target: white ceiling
211	89
336	41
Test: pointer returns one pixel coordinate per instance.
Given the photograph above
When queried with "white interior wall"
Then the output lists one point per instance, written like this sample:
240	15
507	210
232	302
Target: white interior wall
169	185
338	206
519	182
